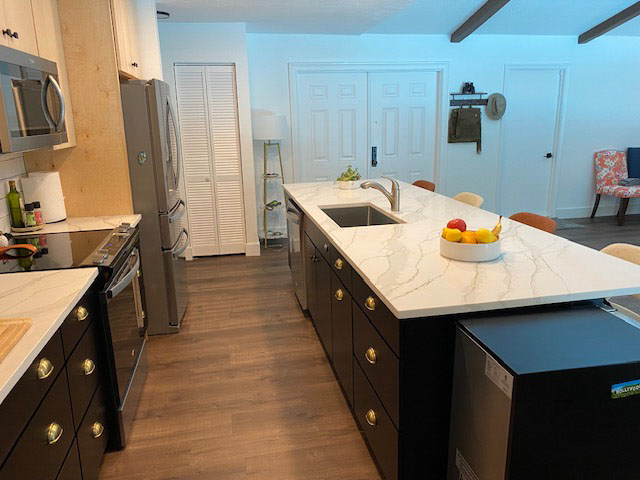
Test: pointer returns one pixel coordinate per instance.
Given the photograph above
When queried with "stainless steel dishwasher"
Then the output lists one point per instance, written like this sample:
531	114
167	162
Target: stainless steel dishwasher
296	255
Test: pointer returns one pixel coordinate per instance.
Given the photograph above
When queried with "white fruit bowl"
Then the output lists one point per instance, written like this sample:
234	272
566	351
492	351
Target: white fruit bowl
470	252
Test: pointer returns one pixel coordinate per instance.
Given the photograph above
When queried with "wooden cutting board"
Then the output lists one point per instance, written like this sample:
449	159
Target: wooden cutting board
11	330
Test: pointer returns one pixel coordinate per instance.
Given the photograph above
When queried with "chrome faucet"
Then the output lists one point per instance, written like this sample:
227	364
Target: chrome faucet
393	197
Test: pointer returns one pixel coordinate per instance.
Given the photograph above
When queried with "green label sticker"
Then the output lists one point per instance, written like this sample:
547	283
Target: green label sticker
626	389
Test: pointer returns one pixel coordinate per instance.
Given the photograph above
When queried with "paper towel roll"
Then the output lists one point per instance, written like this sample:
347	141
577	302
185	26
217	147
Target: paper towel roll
45	187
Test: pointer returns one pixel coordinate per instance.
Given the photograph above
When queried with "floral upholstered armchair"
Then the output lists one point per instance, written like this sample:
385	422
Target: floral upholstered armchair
611	167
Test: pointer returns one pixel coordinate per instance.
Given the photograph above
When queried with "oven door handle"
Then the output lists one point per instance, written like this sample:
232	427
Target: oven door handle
127	277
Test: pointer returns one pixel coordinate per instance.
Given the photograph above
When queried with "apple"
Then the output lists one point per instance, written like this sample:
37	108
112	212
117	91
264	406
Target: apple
457	223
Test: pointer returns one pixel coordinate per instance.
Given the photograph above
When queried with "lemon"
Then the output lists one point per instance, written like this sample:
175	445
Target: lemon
484	236
453	235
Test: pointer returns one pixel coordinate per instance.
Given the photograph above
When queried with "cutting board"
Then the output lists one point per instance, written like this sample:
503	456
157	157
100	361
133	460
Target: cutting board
11	330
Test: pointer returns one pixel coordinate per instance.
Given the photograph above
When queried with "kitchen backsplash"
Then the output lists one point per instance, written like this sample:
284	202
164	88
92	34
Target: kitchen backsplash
11	168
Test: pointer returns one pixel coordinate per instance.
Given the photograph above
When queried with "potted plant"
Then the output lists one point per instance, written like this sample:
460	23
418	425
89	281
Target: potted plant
347	180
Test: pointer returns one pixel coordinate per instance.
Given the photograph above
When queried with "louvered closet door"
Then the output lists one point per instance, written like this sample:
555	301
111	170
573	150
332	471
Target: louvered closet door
211	150
223	126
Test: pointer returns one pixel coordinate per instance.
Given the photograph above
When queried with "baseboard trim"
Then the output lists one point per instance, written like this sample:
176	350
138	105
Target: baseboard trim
603	210
252	249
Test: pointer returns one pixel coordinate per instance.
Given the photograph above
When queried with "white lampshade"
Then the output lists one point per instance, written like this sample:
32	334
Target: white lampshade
270	127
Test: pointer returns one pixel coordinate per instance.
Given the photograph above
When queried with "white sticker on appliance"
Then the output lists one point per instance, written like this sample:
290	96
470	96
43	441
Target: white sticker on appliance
499	375
464	469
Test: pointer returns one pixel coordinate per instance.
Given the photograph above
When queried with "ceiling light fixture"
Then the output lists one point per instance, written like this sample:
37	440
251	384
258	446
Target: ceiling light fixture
163	15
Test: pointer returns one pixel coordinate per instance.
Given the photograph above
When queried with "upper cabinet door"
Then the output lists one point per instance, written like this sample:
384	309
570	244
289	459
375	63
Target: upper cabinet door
18	19
49	38
126	36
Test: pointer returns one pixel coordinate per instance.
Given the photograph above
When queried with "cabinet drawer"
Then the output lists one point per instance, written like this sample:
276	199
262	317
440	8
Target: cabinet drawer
340	266
77	322
378	362
341	322
71	467
45	442
381	317
24	398
318	238
379	430
84	369
92	436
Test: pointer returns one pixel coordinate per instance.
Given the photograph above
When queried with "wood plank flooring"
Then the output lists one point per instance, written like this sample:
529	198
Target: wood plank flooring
244	390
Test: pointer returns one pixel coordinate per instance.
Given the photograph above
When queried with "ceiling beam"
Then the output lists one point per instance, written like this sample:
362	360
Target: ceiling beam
611	23
484	13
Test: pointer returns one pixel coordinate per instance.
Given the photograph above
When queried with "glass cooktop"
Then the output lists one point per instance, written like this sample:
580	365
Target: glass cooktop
55	251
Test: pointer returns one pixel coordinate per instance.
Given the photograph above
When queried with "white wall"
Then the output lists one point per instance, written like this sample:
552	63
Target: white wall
11	168
603	104
218	43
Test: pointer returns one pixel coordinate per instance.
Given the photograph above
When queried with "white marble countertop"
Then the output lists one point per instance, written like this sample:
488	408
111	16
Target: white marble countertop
81	224
403	266
47	298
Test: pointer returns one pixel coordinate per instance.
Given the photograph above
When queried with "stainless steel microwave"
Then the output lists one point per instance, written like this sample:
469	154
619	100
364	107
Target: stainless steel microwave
31	102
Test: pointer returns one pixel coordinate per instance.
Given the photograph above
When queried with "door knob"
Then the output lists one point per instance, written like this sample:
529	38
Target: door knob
548	155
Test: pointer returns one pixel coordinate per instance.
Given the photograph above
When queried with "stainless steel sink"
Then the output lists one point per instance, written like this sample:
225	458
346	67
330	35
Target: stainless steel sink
359	216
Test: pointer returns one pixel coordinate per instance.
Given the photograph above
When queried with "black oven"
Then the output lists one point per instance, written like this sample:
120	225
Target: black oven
123	307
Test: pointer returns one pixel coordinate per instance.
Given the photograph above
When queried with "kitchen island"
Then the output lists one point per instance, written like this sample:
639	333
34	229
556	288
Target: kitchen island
385	305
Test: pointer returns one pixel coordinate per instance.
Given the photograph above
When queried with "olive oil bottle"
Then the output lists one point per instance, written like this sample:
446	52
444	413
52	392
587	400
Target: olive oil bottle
14	199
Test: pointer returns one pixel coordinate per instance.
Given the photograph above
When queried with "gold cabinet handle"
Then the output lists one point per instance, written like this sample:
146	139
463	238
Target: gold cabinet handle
45	368
370	303
370	417
326	247
97	429
88	366
371	355
138	273
54	432
338	263
339	294
81	313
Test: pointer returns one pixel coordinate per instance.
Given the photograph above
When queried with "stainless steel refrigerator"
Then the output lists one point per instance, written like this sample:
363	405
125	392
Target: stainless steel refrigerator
155	164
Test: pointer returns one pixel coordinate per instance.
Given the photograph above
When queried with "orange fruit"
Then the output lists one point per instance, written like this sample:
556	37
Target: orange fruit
468	237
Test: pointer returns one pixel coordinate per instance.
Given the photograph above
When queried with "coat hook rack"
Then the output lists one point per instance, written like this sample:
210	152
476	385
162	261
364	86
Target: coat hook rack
467	102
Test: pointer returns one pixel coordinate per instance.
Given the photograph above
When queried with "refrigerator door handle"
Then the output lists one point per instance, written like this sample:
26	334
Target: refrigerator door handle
177	253
176	175
177	212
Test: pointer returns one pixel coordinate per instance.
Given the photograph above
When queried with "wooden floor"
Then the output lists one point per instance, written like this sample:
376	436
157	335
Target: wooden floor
244	390
602	231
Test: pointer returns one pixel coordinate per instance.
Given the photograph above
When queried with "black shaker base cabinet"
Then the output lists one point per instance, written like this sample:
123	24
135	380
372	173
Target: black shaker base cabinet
54	421
395	374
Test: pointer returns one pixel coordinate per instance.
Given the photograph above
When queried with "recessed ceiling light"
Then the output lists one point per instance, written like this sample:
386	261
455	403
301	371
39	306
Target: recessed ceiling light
162	15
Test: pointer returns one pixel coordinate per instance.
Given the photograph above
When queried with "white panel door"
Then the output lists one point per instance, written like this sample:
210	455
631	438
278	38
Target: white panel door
403	124
527	139
332	124
197	155
208	114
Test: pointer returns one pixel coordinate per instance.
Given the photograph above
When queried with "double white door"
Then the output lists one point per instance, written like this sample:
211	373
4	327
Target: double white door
208	113
379	122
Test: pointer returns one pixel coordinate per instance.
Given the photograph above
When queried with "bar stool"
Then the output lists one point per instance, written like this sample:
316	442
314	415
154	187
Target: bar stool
469	198
426	184
535	221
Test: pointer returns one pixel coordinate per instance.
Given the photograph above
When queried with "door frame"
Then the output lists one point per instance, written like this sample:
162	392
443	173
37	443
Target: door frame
563	70
441	68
